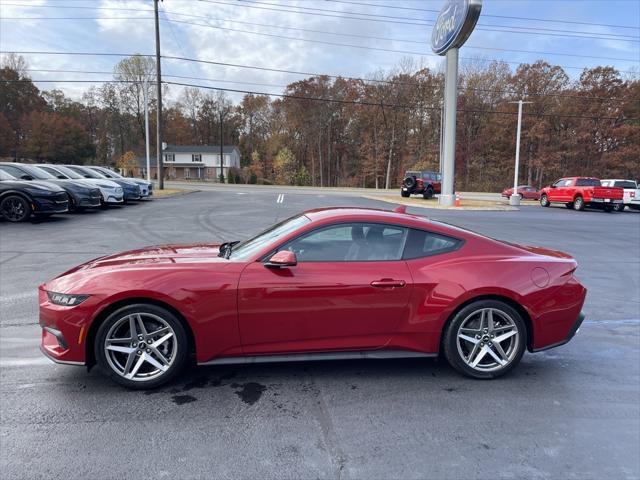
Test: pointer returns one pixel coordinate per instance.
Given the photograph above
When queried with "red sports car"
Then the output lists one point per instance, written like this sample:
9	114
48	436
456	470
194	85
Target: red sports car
325	284
526	192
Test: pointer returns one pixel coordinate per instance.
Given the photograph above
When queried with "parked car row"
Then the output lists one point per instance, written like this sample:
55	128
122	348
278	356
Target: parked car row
47	189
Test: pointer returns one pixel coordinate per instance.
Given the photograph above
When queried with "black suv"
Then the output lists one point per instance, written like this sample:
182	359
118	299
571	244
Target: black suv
421	182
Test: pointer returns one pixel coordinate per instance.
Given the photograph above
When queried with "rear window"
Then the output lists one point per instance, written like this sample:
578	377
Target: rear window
587	182
625	184
424	244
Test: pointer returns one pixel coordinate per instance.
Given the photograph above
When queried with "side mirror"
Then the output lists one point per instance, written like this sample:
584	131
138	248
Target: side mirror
26	177
552	186
284	258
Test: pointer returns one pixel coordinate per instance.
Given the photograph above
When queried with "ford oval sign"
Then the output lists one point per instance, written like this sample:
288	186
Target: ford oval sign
454	24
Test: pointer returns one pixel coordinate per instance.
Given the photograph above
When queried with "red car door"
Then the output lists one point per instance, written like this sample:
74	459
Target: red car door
349	290
557	193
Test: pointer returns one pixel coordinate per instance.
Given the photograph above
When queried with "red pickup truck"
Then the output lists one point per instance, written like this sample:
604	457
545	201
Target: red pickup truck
580	192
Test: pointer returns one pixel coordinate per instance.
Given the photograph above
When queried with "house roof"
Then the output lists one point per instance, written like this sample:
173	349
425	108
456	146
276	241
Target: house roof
199	149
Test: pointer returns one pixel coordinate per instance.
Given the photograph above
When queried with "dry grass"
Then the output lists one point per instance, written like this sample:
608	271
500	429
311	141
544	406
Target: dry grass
168	192
433	203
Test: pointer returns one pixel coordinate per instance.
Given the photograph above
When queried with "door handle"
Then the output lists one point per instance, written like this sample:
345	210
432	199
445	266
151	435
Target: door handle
388	283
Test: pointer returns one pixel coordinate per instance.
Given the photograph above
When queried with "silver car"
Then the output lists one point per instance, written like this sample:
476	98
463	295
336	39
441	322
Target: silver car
112	193
146	188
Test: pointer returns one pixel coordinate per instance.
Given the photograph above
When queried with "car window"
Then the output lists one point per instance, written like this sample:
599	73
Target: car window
559	183
5	176
421	243
350	242
625	184
11	170
587	182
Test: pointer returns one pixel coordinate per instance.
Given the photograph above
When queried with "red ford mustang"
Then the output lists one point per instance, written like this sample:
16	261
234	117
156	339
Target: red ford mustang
326	284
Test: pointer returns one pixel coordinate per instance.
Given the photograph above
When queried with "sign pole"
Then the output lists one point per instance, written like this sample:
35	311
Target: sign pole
447	196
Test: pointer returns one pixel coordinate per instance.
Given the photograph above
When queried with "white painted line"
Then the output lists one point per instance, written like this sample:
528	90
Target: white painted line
280	198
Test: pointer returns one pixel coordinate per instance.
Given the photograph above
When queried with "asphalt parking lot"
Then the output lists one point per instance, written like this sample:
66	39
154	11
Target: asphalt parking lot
571	412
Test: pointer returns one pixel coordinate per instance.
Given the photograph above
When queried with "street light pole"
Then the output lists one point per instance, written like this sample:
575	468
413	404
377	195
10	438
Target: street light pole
145	86
159	107
515	197
447	196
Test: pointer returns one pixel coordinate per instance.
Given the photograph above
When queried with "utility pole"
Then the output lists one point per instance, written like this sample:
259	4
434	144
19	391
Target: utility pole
221	150
159	94
515	197
145	86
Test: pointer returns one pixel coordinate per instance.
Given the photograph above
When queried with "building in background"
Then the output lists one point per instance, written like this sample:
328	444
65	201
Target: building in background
193	162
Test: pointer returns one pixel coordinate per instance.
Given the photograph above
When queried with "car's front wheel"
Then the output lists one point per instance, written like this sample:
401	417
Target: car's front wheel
428	193
141	346
544	201
404	194
485	339
15	208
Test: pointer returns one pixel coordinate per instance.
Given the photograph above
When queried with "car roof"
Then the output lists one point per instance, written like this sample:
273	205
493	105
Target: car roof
366	214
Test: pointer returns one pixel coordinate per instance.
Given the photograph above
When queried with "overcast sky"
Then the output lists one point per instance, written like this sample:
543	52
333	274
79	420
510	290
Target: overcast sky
126	26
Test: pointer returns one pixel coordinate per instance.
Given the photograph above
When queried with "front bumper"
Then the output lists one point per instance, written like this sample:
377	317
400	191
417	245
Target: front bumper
54	204
572	332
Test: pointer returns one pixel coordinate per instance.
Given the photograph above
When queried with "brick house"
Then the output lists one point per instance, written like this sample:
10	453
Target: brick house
193	162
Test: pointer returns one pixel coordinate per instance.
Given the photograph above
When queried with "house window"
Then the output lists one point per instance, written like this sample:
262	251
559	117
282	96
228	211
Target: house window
187	173
196	157
169	157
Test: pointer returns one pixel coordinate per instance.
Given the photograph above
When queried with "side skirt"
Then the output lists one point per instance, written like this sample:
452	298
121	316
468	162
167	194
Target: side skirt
310	357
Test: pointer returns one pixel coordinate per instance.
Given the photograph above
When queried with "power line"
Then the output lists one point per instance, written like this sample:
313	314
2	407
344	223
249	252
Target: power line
368	37
397	7
328	100
308	74
589	35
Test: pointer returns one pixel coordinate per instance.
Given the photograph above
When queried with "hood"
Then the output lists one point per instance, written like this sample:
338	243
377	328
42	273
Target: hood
139	181
101	182
44	185
72	184
157	255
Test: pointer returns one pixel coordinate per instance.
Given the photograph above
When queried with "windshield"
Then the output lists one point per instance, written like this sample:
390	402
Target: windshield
68	172
38	173
86	172
5	176
249	247
625	184
106	172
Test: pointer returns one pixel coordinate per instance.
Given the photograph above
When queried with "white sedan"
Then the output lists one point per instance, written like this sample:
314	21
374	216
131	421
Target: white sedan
112	193
146	188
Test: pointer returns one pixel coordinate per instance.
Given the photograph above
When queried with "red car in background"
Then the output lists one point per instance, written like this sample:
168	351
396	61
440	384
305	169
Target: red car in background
580	192
526	192
330	283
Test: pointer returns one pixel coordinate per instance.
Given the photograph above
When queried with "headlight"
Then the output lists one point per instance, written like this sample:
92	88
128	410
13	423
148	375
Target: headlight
66	300
118	190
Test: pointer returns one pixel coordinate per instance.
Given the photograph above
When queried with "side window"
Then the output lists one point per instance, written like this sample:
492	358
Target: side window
424	244
559	183
350	242
11	170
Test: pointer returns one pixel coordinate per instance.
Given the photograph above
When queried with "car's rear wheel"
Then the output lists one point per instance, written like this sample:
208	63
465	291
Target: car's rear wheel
618	207
569	205
409	182
15	208
578	203
544	201
428	193
485	339
405	194
141	346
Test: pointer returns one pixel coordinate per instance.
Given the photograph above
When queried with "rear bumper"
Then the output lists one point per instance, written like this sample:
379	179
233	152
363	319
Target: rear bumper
601	201
572	332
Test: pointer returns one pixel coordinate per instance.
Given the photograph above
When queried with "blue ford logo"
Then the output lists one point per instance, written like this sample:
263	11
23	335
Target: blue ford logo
454	24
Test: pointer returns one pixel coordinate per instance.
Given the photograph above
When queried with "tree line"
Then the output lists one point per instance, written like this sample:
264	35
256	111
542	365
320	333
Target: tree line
335	131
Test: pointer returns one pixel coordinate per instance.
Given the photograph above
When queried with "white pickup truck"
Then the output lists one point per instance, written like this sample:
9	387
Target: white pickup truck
631	197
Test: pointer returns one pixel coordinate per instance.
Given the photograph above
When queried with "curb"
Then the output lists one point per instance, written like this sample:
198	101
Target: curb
173	195
400	201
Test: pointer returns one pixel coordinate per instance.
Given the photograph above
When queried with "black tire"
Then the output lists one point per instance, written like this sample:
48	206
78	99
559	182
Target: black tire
544	201
405	194
578	203
569	205
15	208
608	208
409	182
428	193
72	204
179	343
455	353
618	207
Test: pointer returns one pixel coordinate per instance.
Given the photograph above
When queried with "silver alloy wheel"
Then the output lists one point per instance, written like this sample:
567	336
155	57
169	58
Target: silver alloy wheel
140	346
487	339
